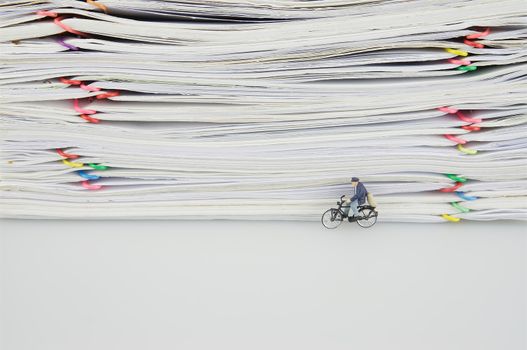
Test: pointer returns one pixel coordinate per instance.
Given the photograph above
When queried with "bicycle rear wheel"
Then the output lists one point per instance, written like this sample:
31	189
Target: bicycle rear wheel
369	217
331	218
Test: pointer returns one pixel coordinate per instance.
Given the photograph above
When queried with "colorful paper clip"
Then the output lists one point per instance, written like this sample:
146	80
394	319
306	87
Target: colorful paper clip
58	21
85	113
469	128
466	65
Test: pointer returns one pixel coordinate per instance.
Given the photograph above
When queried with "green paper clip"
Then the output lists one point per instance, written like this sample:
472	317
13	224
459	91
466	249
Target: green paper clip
98	166
467	68
460	207
456	178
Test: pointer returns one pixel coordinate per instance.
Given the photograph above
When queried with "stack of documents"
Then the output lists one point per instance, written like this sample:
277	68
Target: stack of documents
245	110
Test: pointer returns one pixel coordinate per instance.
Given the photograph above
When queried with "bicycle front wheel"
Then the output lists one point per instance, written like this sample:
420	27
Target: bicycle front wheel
331	218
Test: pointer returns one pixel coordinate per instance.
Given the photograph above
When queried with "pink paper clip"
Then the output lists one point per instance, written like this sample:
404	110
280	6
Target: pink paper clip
461	62
455	139
89	88
80	110
67	28
87	185
467	119
448	110
47	13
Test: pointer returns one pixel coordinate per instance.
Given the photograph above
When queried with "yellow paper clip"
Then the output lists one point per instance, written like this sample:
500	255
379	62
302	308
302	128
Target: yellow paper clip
457	52
466	150
73	164
450	218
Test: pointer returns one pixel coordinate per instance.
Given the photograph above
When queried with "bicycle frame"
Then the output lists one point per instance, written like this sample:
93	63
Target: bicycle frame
340	206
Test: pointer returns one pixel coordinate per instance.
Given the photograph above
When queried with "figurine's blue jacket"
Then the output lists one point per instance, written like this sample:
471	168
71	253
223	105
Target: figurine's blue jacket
360	194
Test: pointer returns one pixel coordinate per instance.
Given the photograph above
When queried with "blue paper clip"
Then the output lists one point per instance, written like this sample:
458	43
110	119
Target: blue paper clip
462	195
88	176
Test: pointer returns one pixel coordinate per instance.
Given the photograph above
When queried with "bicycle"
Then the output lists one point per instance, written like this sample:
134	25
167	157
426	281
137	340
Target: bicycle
333	217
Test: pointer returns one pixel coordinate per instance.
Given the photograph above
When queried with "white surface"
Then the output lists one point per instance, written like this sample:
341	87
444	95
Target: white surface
242	285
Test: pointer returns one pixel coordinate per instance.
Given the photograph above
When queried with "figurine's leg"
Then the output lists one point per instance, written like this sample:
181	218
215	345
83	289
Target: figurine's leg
346	210
353	206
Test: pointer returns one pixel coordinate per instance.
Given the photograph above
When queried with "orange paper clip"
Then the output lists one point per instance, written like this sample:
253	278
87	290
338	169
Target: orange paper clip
99	5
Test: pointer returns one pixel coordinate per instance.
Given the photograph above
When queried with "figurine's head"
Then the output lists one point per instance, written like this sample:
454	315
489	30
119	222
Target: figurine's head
354	181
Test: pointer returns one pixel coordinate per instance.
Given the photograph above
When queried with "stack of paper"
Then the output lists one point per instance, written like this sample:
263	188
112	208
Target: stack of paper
239	110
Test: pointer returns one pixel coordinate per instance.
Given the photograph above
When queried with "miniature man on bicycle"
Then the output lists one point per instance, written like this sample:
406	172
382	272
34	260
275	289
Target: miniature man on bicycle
358	198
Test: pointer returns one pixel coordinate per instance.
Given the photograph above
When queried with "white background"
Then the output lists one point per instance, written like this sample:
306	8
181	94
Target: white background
75	285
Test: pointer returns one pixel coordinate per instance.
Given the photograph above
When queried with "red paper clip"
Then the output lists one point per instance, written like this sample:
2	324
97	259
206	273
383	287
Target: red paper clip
453	188
473	44
479	35
70	82
67	155
90	119
471	127
108	94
